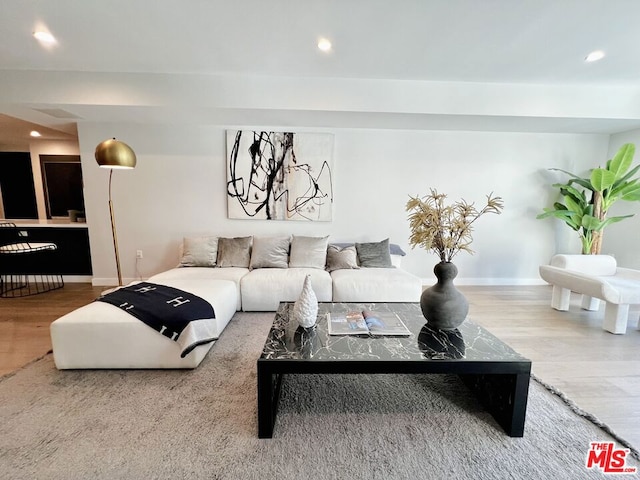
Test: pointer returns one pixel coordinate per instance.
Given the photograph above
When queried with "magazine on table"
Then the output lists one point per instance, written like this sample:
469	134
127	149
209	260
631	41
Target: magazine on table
366	322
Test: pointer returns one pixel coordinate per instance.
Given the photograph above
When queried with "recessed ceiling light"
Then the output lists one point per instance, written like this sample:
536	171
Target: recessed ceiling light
35	133
44	37
594	56
324	45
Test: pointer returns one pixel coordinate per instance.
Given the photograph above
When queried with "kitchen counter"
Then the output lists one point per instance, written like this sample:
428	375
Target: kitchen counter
72	256
56	222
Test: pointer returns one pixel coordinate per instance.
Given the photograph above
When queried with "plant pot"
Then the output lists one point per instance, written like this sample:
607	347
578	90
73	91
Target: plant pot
443	305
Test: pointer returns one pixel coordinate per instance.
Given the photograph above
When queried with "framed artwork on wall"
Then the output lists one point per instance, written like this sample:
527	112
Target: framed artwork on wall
279	175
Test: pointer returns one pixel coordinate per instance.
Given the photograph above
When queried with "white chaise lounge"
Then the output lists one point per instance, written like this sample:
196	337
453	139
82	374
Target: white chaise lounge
101	336
595	277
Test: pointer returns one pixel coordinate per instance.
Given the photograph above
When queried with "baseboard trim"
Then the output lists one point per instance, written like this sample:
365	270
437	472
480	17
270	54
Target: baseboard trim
66	278
489	281
77	278
111	282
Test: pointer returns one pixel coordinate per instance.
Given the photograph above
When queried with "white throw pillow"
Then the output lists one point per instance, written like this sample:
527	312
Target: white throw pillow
199	251
308	252
341	258
270	252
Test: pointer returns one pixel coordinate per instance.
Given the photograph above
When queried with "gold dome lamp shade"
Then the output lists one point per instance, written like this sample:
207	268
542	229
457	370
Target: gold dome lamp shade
113	154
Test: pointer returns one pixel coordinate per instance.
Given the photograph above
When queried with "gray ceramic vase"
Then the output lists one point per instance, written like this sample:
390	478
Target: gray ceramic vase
443	305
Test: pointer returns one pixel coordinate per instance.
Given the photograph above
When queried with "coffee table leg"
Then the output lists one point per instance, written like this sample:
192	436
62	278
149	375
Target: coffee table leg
504	396
268	396
519	411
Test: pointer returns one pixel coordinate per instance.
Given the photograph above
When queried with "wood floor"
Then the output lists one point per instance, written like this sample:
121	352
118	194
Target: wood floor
597	370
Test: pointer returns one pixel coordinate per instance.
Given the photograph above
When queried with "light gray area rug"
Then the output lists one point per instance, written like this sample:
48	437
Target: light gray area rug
201	424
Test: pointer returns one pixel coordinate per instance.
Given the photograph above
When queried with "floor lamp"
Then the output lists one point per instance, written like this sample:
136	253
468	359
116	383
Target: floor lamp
113	154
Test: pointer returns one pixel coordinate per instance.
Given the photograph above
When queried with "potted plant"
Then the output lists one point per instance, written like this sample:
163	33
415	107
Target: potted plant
586	201
445	230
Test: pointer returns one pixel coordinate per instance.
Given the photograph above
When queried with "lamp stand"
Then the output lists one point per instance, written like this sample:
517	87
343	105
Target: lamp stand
113	232
114	154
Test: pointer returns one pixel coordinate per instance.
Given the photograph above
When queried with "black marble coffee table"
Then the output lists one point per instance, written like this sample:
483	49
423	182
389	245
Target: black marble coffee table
496	373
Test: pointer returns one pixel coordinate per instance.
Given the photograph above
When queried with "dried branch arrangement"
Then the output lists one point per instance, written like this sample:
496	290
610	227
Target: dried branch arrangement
445	229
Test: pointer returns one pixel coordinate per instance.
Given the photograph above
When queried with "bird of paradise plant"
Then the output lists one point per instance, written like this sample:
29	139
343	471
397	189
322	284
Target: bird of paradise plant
586	200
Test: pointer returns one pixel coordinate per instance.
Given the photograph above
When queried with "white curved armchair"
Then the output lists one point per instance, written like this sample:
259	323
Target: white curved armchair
595	277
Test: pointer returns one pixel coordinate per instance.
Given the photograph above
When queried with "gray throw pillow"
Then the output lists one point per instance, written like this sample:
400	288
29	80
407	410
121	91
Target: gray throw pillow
374	254
308	252
270	252
234	252
341	258
199	252
394	248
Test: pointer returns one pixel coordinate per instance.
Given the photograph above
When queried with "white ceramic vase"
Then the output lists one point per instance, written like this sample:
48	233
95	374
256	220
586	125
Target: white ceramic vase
305	310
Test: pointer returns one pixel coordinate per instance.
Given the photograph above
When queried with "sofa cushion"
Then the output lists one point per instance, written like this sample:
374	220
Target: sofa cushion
203	275
376	285
199	251
339	258
234	252
374	254
270	252
589	264
264	288
308	252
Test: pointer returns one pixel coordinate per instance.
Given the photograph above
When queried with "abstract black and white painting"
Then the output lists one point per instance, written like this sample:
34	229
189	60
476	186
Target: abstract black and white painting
279	175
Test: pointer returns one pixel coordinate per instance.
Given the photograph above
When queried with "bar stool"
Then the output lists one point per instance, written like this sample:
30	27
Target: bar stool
23	265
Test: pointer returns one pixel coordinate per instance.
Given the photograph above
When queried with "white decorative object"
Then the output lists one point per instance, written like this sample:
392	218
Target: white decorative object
595	277
305	310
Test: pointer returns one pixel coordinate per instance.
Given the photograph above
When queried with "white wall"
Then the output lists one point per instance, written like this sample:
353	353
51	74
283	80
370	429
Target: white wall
179	188
622	239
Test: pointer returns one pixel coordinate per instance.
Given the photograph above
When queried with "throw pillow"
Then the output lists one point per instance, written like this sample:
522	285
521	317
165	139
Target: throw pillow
374	254
199	252
309	252
394	248
270	252
234	252
341	258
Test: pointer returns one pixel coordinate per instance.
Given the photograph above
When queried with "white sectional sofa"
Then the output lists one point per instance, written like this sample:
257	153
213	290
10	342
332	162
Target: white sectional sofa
338	274
244	273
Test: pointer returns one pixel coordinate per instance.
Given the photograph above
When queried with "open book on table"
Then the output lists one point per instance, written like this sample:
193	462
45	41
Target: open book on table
366	322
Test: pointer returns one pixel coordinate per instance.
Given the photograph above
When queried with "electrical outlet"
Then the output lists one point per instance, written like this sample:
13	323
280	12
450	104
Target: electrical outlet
139	254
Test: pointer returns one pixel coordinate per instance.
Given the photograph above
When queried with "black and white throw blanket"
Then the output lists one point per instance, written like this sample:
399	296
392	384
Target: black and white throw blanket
181	316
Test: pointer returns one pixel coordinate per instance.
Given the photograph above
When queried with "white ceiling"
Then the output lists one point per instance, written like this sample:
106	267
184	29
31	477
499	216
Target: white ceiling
512	42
